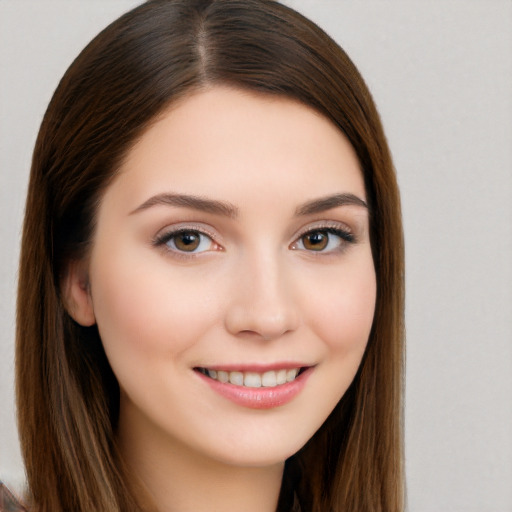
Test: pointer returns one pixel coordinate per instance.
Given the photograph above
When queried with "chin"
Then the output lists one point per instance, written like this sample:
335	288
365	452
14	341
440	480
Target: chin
272	450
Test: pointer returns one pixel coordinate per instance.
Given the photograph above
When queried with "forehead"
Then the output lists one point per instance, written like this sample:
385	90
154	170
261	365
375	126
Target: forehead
229	143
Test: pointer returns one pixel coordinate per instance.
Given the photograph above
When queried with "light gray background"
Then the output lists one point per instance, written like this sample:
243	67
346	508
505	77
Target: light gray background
441	74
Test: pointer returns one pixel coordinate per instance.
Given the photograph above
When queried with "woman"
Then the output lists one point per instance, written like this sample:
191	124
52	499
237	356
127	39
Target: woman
211	284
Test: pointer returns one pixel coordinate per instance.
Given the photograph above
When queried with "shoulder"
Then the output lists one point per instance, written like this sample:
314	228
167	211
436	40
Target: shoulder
8	501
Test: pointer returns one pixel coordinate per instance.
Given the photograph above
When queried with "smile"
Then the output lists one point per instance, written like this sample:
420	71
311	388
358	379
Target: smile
250	388
249	379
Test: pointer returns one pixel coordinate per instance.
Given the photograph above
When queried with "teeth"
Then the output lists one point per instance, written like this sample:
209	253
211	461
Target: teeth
236	378
281	376
269	379
222	376
291	374
254	379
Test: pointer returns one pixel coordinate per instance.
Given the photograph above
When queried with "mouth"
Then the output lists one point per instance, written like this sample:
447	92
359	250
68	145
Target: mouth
256	387
252	379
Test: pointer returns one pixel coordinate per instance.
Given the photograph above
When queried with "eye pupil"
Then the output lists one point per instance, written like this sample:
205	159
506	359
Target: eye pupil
187	241
316	241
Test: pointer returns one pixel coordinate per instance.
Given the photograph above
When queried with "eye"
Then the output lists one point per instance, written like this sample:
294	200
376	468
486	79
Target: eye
186	241
323	240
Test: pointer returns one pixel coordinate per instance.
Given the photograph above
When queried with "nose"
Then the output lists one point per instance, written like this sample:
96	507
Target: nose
263	303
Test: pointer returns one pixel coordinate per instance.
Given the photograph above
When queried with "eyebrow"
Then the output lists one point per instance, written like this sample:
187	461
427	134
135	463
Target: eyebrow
227	209
189	201
328	202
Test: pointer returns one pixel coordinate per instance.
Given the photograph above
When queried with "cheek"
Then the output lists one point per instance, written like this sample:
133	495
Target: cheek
342	309
144	310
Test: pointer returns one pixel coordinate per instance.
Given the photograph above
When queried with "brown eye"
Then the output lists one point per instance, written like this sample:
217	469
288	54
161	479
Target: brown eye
187	241
324	240
315	241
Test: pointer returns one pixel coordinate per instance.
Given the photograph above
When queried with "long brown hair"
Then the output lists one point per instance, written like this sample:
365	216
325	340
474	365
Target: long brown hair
130	73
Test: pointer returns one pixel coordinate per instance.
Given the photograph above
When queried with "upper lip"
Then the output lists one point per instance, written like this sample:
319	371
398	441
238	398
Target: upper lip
255	367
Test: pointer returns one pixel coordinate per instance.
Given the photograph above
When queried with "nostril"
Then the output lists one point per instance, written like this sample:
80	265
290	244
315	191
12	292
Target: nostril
250	334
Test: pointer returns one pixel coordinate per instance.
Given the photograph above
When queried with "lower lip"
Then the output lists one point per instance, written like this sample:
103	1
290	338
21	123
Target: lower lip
259	398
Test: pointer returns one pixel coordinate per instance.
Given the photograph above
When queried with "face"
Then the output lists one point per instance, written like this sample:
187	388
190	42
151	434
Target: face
231	277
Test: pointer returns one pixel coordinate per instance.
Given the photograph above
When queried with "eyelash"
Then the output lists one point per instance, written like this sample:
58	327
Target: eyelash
345	236
163	239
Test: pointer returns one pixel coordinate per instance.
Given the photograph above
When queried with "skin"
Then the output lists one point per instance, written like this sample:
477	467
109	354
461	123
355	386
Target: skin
255	293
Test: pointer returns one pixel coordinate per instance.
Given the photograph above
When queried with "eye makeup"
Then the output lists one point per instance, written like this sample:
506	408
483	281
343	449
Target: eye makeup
191	240
323	238
186	240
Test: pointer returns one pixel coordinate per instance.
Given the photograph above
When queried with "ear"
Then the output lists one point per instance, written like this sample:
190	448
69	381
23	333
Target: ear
76	293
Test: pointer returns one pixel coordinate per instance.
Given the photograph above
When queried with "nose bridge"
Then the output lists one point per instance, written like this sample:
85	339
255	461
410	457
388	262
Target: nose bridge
263	300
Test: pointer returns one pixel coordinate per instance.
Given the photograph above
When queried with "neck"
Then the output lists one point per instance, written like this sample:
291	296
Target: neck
180	480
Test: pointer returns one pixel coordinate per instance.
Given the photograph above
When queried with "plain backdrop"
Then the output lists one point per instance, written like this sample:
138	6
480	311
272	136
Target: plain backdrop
441	74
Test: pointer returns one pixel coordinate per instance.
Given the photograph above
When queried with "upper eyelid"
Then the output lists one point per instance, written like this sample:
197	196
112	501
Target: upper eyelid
319	225
164	235
186	226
